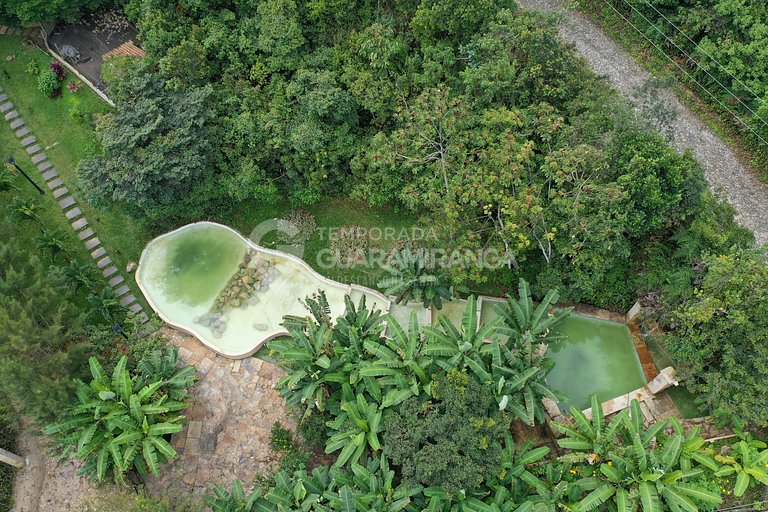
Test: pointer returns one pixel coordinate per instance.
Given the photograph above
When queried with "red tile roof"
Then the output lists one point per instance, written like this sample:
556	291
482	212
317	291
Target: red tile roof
127	48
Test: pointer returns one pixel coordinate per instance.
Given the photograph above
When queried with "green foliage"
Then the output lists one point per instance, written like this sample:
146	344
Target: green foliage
718	344
118	424
623	463
292	456
29	12
452	441
727	41
156	145
7	472
48	83
748	459
412	278
40	351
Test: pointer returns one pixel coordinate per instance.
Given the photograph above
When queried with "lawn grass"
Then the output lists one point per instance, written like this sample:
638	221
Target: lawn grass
66	141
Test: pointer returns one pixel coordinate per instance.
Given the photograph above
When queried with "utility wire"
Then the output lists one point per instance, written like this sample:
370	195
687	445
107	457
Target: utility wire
694	60
606	2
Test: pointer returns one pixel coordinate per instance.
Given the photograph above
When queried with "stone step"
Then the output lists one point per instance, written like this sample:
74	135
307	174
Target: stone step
28	140
109	271
3	97
16	123
66	202
127	300
116	281
44	166
34	149
49	175
55	183
98	253
5	107
13	114
143	318
103	262
84	235
119	292
39	158
79	224
92	243
136	307
73	213
22	131
60	192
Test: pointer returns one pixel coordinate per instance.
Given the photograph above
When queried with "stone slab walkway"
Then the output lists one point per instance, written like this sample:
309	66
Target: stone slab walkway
232	410
730	179
69	208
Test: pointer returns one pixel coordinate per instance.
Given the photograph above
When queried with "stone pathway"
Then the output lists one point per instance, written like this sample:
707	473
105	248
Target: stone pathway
730	179
69	207
29	32
232	409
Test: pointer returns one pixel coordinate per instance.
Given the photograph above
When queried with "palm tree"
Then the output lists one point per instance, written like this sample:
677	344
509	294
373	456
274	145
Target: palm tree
6	179
105	304
51	243
411	279
24	209
77	275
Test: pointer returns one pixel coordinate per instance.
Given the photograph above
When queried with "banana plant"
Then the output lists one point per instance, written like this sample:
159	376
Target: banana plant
518	378
399	365
527	325
163	365
319	356
410	279
747	460
459	346
119	424
368	488
632	467
357	428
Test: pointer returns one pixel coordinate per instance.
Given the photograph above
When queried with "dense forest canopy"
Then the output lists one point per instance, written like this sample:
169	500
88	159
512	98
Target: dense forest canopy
475	118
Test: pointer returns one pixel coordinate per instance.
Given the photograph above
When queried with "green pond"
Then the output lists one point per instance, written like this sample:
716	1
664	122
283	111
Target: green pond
596	357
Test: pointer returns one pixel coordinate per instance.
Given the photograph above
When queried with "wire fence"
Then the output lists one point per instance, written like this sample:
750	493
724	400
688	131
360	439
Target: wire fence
690	58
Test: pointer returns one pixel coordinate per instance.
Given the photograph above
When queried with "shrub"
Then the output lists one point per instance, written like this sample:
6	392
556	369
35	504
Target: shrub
7	442
59	70
348	244
451	441
33	68
296	227
282	441
719	345
48	83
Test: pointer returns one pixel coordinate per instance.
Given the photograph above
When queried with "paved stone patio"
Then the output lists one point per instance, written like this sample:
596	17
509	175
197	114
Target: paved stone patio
231	411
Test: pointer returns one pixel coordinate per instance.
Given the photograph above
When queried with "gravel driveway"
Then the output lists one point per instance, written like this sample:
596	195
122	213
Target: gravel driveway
728	177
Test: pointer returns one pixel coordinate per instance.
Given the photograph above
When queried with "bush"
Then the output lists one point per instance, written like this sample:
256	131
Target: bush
7	442
33	68
719	345
451	441
48	83
59	70
282	441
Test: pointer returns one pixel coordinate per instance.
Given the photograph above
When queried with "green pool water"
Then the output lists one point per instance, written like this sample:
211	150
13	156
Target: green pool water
597	356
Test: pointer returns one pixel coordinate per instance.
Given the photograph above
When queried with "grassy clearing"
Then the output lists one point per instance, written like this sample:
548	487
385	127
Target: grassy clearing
63	127
656	63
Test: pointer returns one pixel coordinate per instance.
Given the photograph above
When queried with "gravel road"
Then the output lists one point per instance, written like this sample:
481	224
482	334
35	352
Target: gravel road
728	177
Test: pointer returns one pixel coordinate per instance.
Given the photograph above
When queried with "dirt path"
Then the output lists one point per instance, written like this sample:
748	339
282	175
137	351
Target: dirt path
730	179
